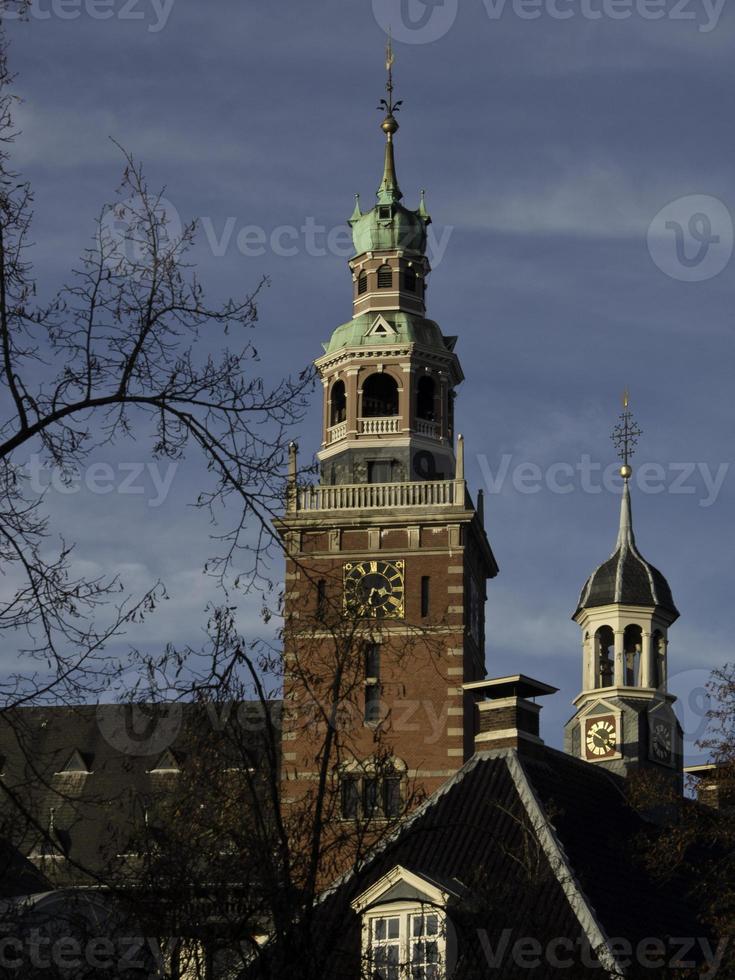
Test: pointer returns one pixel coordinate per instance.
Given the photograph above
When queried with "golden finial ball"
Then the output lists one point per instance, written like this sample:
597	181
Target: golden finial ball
626	472
389	125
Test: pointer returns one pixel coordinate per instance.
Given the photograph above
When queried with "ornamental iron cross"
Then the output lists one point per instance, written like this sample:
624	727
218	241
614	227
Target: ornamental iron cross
626	433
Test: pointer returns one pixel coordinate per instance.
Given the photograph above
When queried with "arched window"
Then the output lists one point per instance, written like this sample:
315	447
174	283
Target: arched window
632	644
425	398
385	277
379	396
338	403
409	279
362	283
605	654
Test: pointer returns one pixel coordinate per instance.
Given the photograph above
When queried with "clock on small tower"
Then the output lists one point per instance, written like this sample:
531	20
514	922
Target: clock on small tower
600	737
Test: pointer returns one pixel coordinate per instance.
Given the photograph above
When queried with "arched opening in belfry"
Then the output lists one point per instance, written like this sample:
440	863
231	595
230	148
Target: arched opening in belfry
379	396
425	399
632	645
659	658
605	656
362	283
409	279
338	403
385	277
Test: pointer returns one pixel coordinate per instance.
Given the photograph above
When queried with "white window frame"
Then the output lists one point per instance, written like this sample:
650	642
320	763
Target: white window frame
433	901
406	913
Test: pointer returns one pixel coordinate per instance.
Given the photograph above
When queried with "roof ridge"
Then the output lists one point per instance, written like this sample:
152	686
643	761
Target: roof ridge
554	850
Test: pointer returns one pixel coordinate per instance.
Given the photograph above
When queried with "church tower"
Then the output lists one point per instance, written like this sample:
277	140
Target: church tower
624	718
387	557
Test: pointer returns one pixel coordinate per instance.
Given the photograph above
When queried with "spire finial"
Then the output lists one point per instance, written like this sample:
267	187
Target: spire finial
625	437
389	192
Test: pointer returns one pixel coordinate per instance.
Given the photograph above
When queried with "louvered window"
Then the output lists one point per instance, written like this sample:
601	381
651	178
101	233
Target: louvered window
385	277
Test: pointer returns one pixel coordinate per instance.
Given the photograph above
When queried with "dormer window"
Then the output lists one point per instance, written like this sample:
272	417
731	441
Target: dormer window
406	932
384	213
75	765
385	277
168	763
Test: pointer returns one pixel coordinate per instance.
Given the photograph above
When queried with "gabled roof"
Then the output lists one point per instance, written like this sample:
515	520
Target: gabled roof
75	764
543	847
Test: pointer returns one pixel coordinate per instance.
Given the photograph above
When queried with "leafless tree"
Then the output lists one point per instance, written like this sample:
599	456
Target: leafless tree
123	351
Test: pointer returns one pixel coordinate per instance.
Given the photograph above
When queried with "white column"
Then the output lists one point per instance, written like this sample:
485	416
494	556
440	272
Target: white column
619	658
647	663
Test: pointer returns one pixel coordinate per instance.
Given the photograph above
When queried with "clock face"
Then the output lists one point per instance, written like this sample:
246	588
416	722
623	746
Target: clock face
661	742
600	737
374	588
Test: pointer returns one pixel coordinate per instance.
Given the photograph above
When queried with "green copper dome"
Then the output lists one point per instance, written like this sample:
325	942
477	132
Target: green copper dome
390	226
405	328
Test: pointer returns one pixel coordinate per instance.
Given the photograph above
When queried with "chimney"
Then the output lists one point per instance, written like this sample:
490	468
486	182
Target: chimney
506	715
715	785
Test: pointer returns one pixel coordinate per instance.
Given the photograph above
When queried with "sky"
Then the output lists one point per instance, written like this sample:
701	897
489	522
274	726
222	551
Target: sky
578	161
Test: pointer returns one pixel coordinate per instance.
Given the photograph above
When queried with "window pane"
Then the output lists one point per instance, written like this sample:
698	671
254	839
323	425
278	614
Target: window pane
394	926
369	796
349	798
372	660
392	797
372	703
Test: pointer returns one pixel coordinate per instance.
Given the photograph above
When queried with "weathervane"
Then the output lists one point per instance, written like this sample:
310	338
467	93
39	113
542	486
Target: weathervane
388	105
625	436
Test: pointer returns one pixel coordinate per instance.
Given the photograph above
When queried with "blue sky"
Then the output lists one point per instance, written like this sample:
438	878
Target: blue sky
548	146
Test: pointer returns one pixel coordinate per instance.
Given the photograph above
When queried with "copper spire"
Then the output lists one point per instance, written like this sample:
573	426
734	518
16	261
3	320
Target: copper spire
389	192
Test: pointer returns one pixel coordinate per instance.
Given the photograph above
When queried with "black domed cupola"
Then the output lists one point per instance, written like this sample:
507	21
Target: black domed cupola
626	578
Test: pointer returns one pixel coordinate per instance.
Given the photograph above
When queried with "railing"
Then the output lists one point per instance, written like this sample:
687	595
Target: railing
337	432
426	428
381	496
379	426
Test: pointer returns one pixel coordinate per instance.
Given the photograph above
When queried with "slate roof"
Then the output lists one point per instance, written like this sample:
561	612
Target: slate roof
544	846
626	578
84	775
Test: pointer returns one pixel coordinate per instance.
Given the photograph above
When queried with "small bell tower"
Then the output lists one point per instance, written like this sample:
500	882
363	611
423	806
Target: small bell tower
624	718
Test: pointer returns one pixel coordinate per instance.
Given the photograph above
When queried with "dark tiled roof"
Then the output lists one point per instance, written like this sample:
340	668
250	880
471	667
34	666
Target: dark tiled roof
92	815
477	830
626	578
597	829
18	877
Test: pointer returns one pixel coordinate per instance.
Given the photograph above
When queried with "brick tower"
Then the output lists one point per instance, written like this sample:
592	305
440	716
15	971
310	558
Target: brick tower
387	557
